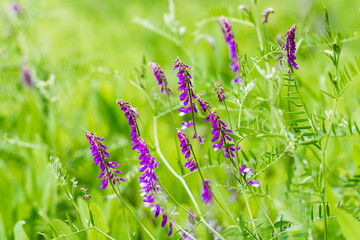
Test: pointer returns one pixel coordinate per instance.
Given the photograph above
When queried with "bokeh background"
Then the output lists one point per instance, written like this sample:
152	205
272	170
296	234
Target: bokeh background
85	54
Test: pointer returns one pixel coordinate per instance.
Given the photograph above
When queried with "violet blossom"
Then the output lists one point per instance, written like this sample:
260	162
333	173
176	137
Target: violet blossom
220	92
247	172
290	47
186	125
15	7
229	38
150	190
160	77
186	149
108	169
206	192
186	86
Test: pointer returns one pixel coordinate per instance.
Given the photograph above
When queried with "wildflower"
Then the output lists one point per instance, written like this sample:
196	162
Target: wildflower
229	38
219	91
186	149
266	14
201	140
220	131
160	77
86	196
186	125
206	194
26	76
290	47
254	184
150	190
247	172
108	169
185	86
15	7
205	105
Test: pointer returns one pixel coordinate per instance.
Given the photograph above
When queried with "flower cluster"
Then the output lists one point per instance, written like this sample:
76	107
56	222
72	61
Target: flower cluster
247	172
185	86
160	77
205	105
206	192
219	131
108	169
229	38
150	190
186	149
220	92
290	47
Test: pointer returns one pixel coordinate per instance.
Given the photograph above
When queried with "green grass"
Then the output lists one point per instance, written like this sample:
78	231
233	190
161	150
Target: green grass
83	55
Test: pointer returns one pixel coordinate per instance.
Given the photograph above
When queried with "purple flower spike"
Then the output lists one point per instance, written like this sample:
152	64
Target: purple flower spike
98	150
160	77
206	194
186	86
186	149
220	92
205	106
150	190
229	38
290	47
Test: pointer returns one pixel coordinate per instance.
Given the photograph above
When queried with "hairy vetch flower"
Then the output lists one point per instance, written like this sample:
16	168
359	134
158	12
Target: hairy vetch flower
219	91
290	47
15	7
205	105
150	190
229	38
247	172
206	192
220	132
186	149
160	77
186	125
186	86
108	169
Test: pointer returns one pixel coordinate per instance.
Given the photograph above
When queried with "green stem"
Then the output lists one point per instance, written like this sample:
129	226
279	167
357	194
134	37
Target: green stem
171	169
249	210
174	133
323	197
211	228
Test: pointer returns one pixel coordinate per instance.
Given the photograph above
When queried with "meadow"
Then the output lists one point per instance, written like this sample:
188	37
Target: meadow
227	119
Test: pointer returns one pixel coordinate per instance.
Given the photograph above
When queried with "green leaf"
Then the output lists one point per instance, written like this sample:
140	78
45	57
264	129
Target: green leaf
99	221
19	233
328	94
62	228
349	225
356	157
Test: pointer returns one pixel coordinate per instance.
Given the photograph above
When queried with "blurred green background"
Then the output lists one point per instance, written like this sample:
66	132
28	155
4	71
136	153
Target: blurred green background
85	54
